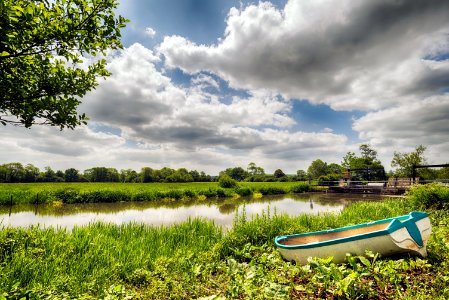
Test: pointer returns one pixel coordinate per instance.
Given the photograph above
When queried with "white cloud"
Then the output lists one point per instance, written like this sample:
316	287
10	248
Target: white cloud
367	55
403	127
347	54
48	146
155	122
150	32
377	56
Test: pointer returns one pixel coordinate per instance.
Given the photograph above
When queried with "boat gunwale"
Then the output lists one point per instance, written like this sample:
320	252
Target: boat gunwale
395	224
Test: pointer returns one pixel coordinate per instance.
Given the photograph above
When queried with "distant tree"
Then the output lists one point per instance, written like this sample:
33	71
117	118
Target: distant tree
237	173
195	175
31	173
204	177
129	175
12	172
180	175
367	160
334	168
348	160
165	173
301	175
102	174
42	48
148	175
60	176
71	175
113	175
49	175
404	162
368	153
317	168
252	169
279	174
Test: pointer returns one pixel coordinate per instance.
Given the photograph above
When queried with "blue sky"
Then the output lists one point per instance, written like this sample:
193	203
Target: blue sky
202	21
208	85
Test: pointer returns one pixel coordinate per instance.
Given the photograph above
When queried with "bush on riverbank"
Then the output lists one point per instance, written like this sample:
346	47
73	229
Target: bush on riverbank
301	187
227	182
434	195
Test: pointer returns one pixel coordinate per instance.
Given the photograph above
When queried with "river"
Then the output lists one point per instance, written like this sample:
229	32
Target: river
222	212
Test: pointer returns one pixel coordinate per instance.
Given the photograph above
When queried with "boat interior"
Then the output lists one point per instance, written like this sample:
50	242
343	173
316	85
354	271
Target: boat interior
331	235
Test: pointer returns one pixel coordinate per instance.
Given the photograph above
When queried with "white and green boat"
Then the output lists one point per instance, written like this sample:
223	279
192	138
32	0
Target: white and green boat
403	234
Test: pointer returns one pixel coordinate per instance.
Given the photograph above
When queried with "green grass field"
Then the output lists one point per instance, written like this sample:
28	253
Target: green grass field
20	193
197	260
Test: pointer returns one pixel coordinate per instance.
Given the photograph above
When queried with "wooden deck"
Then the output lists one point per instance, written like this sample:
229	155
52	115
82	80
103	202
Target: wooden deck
394	186
367	190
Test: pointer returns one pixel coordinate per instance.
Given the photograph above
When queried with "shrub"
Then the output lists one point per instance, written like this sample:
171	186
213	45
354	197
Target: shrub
300	188
244	191
272	191
222	193
434	195
104	196
144	196
175	194
67	196
329	179
209	193
227	182
190	194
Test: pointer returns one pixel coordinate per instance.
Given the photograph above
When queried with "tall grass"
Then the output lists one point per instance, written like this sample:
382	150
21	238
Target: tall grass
89	258
21	193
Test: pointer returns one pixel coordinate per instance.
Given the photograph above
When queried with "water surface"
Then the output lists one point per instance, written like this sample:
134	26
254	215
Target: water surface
222	212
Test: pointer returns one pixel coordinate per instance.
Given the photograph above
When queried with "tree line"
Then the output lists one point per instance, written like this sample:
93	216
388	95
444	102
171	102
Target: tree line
364	166
16	172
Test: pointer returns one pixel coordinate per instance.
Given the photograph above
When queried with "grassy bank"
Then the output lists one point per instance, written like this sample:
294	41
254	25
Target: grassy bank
195	259
22	193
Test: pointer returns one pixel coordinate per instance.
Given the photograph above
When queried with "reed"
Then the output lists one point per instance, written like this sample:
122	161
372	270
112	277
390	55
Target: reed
89	258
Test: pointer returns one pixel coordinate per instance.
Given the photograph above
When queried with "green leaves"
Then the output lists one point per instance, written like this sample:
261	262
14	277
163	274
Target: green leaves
36	87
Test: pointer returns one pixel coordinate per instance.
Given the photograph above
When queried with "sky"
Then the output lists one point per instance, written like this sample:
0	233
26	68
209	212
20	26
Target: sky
209	85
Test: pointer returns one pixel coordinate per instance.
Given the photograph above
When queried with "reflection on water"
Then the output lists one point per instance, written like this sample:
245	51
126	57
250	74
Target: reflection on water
154	213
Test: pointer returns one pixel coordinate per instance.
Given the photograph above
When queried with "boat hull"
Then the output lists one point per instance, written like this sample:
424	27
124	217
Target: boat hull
404	234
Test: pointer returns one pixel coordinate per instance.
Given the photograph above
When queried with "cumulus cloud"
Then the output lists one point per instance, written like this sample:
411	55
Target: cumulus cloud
404	127
380	56
149	108
139	117
43	146
135	94
347	54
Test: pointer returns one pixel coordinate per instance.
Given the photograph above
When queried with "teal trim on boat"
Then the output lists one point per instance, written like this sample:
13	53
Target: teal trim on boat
407	221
